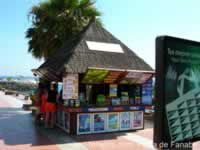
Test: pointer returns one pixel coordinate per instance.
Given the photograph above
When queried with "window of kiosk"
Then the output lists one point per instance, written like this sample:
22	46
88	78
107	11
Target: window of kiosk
99	94
129	94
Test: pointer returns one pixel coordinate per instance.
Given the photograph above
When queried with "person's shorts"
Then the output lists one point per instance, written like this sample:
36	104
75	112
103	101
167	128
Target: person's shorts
50	107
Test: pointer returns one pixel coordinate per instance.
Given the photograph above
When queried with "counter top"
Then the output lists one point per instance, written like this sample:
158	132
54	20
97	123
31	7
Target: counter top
102	109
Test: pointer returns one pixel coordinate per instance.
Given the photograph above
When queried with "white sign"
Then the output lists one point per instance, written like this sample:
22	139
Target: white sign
70	86
97	109
106	47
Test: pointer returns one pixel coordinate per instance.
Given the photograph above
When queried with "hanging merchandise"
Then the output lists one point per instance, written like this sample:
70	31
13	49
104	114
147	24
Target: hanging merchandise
115	101
82	98
138	94
113	90
101	99
77	103
60	86
124	98
147	93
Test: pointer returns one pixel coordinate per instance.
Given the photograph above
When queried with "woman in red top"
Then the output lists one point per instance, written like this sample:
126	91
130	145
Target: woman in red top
50	106
43	102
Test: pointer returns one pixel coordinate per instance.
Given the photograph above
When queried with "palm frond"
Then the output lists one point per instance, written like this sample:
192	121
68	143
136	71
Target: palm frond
55	21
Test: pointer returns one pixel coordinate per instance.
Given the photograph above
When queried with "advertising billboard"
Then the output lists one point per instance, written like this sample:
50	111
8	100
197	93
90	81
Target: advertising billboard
84	123
125	120
177	90
137	120
99	122
112	122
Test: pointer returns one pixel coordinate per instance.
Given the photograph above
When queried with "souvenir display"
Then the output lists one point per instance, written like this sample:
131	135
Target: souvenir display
115	101
110	108
71	103
124	98
82	98
132	101
113	90
138	95
60	86
147	93
100	100
77	103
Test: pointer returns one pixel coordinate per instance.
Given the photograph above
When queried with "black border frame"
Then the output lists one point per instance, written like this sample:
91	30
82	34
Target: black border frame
159	117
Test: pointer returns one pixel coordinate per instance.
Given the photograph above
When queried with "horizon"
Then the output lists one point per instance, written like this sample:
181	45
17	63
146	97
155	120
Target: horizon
135	23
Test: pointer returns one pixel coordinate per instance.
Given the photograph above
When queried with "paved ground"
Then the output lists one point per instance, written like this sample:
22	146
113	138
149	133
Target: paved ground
17	132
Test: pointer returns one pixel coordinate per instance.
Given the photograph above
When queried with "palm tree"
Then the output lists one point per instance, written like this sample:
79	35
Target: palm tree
55	21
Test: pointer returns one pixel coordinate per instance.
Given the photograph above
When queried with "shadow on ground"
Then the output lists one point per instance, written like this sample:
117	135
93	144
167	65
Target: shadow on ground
17	128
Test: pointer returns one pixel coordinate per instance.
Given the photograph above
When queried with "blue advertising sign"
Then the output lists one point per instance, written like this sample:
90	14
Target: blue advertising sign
84	123
113	121
125	120
147	89
99	122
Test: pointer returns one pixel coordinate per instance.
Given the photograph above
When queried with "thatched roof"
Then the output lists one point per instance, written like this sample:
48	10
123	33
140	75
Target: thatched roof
76	57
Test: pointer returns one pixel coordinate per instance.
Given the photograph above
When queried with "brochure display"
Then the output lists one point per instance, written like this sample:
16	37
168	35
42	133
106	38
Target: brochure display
99	122
84	123
112	121
125	120
70	86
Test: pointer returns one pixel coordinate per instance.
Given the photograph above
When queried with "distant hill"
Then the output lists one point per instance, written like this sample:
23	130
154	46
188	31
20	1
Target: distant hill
19	78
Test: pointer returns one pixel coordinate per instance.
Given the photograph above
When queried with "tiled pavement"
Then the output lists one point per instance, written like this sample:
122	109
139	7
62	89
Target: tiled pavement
17	132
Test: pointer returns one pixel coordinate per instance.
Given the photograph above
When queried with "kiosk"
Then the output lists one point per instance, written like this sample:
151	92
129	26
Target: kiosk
105	85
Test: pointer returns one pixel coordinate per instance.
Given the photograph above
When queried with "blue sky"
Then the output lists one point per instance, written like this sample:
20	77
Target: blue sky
134	22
